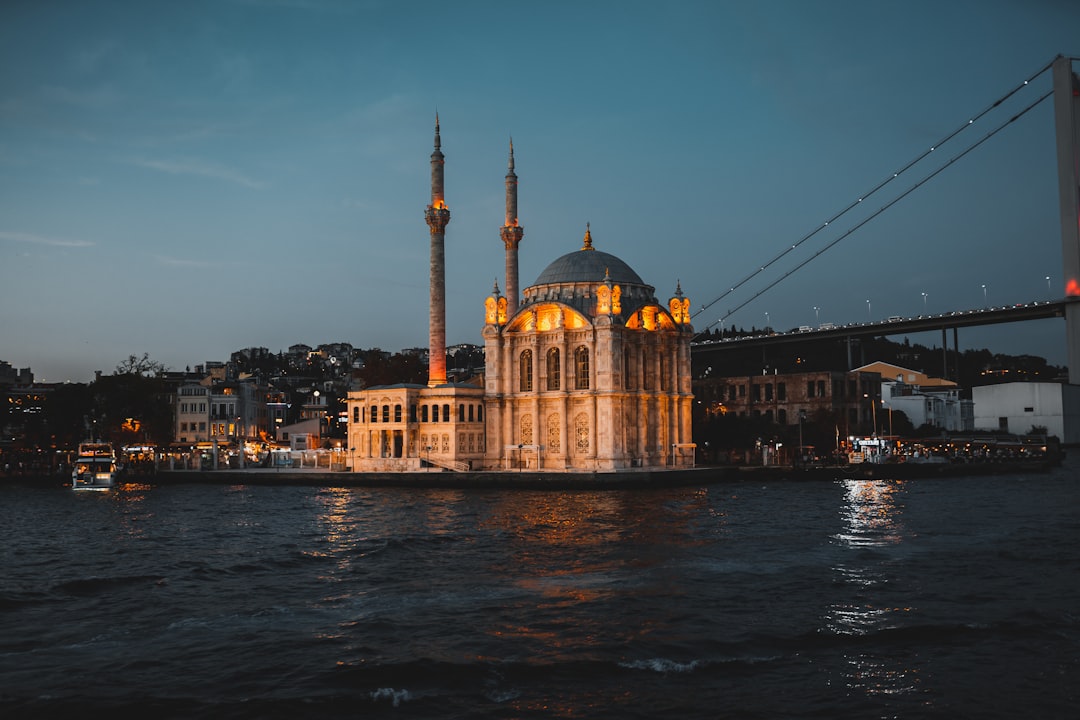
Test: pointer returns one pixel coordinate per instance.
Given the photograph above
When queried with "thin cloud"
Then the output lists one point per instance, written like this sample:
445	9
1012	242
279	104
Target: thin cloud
183	262
42	240
199	168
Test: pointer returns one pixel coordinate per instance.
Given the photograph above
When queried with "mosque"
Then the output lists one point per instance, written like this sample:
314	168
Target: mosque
584	372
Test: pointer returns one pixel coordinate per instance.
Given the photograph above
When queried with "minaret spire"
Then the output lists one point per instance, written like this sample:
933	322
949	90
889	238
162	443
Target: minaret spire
437	216
511	234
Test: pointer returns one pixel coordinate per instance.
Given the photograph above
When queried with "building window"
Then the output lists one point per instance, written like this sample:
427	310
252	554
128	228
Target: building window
374	413
526	430
434	413
757	393
768	392
781	416
479	413
446	412
553	369
356	413
525	371
646	371
397	413
581	433
821	388
553	433
581	368
412	412
471	412
809	388
386	413
423	413
461	412
781	392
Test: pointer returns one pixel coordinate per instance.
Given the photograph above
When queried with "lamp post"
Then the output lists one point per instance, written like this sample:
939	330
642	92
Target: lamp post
985	303
767	318
873	412
869	315
816	314
924	303
1049	292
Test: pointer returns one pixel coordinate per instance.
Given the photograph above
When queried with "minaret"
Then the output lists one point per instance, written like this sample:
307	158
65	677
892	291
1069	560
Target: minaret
511	234
437	216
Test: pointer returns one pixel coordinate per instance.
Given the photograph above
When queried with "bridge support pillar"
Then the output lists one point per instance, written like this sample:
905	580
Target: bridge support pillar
1067	124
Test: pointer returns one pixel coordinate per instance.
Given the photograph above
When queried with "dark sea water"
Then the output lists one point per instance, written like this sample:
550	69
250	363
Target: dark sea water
943	598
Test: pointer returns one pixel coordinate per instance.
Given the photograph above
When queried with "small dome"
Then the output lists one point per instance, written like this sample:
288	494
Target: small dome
588	266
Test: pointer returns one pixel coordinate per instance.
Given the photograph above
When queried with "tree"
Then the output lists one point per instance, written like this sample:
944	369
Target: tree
130	405
143	366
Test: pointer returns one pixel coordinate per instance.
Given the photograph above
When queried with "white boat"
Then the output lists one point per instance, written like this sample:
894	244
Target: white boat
95	467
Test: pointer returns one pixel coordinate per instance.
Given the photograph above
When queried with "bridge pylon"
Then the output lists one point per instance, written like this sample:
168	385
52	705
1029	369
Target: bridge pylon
1067	124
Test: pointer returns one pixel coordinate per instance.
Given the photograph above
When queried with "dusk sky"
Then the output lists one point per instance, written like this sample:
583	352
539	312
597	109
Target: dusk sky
186	179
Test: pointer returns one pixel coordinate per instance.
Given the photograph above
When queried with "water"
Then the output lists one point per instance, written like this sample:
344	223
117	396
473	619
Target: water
945	598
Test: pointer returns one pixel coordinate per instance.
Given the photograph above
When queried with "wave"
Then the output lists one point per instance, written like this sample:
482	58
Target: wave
94	585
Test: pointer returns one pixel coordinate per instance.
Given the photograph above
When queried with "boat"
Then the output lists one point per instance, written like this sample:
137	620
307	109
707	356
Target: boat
95	467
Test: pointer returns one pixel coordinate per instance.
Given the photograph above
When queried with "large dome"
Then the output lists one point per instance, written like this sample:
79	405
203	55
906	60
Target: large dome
588	266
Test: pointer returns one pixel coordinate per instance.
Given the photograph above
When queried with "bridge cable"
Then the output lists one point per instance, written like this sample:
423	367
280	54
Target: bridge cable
879	211
879	186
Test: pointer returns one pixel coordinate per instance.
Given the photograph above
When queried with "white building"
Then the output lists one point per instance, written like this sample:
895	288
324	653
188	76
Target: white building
1017	407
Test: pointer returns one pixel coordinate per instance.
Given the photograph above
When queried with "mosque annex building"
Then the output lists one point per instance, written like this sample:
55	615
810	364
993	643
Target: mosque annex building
585	371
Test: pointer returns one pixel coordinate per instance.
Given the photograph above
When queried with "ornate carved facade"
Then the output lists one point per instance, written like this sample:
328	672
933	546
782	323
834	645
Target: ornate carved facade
593	353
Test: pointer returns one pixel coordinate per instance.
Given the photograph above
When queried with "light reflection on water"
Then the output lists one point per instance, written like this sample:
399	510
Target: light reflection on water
871	515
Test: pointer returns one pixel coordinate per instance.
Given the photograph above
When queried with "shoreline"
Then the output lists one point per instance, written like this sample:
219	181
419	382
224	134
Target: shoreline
609	480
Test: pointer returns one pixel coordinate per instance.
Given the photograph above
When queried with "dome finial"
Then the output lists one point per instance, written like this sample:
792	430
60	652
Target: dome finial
678	288
495	291
588	239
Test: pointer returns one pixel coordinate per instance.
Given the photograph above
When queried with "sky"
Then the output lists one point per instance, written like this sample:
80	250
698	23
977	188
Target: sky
188	179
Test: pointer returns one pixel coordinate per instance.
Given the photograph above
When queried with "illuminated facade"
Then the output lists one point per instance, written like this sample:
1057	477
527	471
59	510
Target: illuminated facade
590	373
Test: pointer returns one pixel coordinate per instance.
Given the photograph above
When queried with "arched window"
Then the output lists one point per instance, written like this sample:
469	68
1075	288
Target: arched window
553	369
423	413
472	413
461	412
434	413
525	371
446	413
374	413
581	368
397	413
386	413
479	413
356	413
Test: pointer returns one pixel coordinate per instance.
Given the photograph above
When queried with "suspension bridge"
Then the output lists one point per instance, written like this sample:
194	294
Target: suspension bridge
1065	92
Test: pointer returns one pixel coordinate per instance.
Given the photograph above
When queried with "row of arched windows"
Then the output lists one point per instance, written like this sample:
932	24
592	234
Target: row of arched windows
554	369
428	413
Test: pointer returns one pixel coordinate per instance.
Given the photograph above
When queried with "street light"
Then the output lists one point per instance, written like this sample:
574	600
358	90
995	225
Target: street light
1049	292
816	314
985	304
924	303
766	319
869	315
